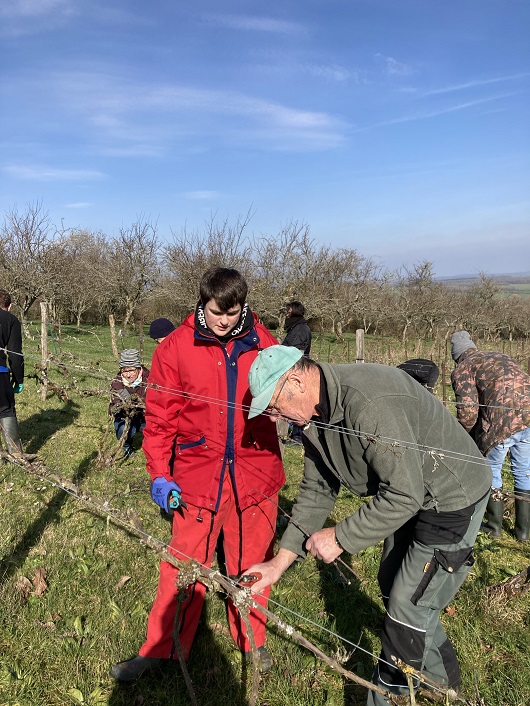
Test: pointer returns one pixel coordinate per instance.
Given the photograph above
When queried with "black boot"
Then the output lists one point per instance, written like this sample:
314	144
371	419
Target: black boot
11	436
494	512
134	668
522	515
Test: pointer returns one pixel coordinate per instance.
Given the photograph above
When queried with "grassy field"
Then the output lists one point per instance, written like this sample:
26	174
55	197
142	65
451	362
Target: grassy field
76	590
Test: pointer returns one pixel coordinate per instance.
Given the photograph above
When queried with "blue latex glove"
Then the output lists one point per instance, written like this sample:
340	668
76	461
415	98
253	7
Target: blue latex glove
166	494
18	387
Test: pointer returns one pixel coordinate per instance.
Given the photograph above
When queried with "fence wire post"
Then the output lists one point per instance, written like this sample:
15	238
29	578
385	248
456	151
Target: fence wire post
359	345
44	347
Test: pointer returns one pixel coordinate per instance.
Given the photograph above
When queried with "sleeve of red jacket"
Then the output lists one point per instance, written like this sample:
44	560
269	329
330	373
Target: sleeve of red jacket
162	406
265	336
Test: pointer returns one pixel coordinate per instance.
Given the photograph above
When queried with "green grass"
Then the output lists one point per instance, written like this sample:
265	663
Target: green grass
56	646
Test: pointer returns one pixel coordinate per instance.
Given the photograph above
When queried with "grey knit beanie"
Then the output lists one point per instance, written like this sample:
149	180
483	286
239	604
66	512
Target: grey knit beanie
130	358
460	342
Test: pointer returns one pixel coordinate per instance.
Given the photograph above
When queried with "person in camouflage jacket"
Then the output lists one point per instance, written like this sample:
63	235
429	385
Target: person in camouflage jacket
492	394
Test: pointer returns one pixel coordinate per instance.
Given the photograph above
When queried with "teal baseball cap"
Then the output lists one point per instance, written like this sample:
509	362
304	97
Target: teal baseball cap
270	364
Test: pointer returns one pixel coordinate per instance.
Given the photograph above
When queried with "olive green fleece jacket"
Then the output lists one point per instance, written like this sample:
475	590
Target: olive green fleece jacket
390	438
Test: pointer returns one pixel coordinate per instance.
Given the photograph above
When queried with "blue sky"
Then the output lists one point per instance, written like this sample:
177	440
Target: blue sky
396	127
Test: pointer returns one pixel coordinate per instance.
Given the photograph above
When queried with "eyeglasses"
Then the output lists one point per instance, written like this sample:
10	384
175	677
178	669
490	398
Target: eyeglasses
129	370
273	409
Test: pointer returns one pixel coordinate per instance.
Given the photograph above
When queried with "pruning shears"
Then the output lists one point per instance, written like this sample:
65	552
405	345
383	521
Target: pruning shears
248	580
176	502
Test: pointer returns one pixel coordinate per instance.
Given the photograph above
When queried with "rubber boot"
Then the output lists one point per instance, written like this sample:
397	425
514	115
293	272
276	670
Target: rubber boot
134	668
522	515
11	436
494	512
265	660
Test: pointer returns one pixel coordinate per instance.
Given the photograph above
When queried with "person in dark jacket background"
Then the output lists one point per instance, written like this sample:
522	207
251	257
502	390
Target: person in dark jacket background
12	377
492	394
423	370
160	329
298	331
128	390
298	336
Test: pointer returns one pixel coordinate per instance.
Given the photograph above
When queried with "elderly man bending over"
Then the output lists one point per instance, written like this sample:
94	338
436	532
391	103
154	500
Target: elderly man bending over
379	433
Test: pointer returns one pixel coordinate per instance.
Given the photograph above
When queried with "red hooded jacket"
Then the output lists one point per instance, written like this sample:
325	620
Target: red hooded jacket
197	426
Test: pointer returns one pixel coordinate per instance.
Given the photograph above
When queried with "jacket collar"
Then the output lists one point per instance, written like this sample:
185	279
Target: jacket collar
466	354
330	403
240	330
291	321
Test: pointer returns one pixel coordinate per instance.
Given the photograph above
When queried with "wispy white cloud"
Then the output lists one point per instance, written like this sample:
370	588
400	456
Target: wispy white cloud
30	172
19	18
78	205
35	8
154	116
288	65
201	195
393	67
425	115
250	23
474	84
331	72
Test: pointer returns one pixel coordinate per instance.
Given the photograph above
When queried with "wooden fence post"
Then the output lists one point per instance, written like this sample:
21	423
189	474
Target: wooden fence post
112	325
141	334
444	391
359	345
44	347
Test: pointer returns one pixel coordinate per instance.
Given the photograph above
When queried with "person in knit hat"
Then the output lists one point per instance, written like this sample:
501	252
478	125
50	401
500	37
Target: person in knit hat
160	329
460	343
492	395
128	390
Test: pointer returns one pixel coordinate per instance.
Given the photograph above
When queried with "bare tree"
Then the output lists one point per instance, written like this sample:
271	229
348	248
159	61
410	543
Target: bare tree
284	268
132	269
81	270
417	300
25	266
480	307
192	253
349	283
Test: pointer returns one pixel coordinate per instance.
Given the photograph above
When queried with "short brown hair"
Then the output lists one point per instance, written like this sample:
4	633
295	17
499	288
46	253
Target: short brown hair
297	308
227	286
5	299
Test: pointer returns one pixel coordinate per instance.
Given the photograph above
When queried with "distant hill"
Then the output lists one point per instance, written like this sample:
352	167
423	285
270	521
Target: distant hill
518	283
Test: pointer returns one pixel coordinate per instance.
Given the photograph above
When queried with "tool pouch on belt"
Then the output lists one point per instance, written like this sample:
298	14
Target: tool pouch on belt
448	562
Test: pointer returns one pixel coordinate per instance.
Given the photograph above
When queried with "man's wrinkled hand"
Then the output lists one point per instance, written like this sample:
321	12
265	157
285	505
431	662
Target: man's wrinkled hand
269	574
271	571
323	545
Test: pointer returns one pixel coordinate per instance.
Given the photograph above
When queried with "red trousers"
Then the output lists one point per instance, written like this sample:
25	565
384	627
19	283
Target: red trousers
248	538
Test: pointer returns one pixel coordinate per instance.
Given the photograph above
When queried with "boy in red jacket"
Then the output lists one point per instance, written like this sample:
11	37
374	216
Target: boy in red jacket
200	446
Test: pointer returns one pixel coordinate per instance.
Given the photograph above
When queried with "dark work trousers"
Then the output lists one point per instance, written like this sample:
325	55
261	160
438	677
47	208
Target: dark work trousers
137	424
296	433
7	396
418	579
